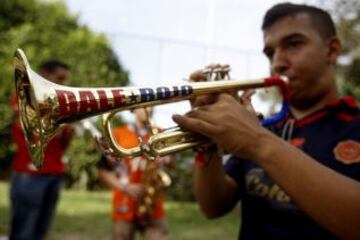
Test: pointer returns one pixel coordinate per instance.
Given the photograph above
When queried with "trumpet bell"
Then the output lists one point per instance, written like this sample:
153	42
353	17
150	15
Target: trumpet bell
36	128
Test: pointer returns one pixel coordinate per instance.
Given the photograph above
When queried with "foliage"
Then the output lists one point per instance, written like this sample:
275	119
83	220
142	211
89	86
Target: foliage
82	156
181	177
347	16
46	29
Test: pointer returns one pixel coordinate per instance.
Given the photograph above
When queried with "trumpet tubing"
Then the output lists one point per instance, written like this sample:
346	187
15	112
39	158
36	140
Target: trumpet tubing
73	102
44	106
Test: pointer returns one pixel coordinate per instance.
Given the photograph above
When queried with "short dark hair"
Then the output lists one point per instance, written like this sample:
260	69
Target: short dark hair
320	18
52	64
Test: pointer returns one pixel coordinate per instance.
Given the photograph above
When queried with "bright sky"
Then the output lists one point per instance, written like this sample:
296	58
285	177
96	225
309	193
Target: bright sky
161	41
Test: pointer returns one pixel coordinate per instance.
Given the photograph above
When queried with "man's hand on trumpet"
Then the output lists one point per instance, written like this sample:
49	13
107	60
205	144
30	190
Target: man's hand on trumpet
215	72
222	117
212	72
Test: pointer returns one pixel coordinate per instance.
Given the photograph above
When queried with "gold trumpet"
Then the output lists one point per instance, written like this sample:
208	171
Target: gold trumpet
45	106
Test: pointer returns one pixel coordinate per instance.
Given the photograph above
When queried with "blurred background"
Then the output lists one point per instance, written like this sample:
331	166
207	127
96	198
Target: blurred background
142	43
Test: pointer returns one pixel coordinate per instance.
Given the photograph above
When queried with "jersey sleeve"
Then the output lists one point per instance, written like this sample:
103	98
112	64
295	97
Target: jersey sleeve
233	168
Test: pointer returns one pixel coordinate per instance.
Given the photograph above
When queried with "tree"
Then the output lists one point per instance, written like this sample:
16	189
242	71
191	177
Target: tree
347	17
46	29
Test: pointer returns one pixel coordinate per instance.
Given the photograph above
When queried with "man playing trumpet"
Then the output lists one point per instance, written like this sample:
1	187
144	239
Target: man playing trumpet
300	180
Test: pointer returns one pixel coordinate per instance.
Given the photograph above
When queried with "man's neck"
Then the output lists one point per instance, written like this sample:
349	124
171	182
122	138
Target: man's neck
301	113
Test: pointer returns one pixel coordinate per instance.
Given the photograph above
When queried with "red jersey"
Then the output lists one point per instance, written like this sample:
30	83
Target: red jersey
52	155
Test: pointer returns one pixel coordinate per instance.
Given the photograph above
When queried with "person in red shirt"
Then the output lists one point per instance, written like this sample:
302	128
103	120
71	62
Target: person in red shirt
34	192
129	179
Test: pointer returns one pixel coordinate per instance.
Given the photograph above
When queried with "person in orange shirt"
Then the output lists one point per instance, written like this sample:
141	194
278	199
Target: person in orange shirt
130	180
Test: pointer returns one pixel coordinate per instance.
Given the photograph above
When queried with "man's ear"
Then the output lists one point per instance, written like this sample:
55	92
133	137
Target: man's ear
334	49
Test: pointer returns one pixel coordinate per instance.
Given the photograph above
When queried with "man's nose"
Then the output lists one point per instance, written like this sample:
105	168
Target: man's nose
279	63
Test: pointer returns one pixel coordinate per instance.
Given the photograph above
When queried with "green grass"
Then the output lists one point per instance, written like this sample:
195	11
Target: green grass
86	215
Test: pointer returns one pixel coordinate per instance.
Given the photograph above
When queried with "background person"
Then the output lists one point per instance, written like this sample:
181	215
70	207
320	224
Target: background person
34	193
300	180
130	180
